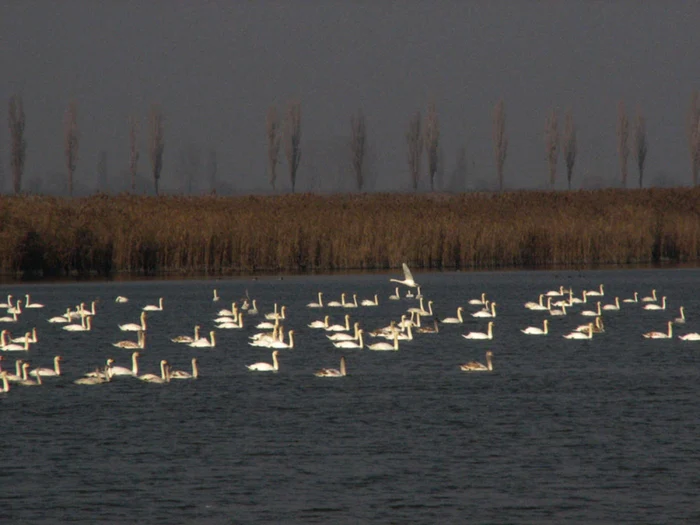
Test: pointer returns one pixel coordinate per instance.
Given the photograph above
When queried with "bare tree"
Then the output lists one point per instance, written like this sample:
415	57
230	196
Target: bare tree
292	138
551	143
500	140
212	166
134	150
71	142
414	139
431	139
157	143
272	126
640	144
18	145
102	171
623	149
694	135
570	148
358	143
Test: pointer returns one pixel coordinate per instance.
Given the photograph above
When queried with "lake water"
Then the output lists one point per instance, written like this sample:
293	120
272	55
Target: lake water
561	431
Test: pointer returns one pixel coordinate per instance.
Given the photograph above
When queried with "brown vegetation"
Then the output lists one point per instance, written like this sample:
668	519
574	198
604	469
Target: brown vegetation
46	236
18	145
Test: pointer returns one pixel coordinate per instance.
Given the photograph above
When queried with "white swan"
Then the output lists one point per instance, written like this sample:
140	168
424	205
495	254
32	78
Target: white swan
49	372
534	330
615	306
681	319
253	310
265	339
407	278
16	309
319	323
28	304
650	298
580	335
17	376
5	346
576	300
233	311
484	313
370	302
98	377
454	320
282	314
418	293
662	306
153	378
556	293
532	305
395	296
383	345
5	383
121	299
340	327
181	374
475	366
123	371
8	303
333	372
351	344
560	310
153	307
344	336
478	301
140	343
660	335
216	295
81	311
30	337
61	318
318	304
187	338
598	292
481	335
266	367
336	304
25	381
593	313
353	304
204	342
230	324
133	327
596	327
634	299
282	344
407	335
409	294
9	319
84	326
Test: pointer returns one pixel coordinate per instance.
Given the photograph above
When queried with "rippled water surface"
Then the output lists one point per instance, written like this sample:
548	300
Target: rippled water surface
561	431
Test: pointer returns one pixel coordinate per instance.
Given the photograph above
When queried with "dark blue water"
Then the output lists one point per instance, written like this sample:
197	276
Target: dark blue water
560	432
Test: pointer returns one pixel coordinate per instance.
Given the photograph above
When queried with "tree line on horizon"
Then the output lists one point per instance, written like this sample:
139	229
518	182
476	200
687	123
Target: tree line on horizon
422	137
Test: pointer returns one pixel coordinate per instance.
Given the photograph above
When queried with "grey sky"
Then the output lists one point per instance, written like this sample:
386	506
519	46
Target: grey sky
215	67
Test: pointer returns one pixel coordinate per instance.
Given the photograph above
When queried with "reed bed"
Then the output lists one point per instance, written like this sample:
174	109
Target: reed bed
99	235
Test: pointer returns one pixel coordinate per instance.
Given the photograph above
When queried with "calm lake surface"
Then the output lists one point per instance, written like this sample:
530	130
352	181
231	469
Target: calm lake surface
562	431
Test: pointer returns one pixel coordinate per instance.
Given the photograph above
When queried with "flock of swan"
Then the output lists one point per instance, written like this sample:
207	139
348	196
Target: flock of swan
272	328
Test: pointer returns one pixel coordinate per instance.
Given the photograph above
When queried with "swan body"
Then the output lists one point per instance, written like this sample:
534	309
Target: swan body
559	311
16	309
681	319
660	335
48	372
383	345
61	318
140	343
337	304
121	299
81	311
333	372
5	346
340	327
133	327
593	313
319	323
576	300
277	315
395	296
370	302
353	304
282	344
534	330
123	371
9	318
634	299
187	338
205	343
475	366
651	306
580	335
84	326
485	313
694	336
232	312
17	376
229	325
351	344
318	304
28	304
650	298
253	310
7	303
482	300
454	320
153	378
539	305
153	307
596	327
614	306
344	336
30	337
95	378
481	335
407	278
181	374
429	329
598	292
25	381
556	293
266	367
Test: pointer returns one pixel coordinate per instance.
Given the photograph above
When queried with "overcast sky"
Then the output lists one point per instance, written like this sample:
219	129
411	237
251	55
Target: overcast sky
215	68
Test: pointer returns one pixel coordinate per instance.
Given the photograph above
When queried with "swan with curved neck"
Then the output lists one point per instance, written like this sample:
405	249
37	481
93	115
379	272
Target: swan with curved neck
407	278
490	313
633	299
5	346
187	338
681	319
581	335
28	304
340	327
370	302
383	345
337	304
123	371
153	378
127	344
481	300
481	335
660	335
282	344
344	336
133	327
351	344
475	366
455	320
17	376
333	372
318	304
395	296
84	326
49	372
353	304
319	324
181	374
650	298
593	313
121	299
535	330
662	306
25	380
32	338
266	367
613	306
205	343
153	307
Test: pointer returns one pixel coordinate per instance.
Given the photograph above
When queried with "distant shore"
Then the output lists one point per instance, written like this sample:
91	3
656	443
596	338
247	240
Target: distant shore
169	236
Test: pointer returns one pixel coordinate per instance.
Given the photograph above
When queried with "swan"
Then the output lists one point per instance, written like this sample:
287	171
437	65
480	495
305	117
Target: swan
277	315
534	330
266	367
429	329
153	378
333	372
265	339
205	343
370	302
615	306
81	311
17	376
253	310
454	320
351	344
404	336
123	371
407	278
484	313
337	304
593	313
576	300
187	338
5	384
17	309
121	299
140	343
694	336
681	319
181	374
417	309
61	318
395	296
556	293
353	304
31	337
660	335
598	292
27	304
153	307
580	335
319	324
319	304
340	327
344	336
475	366
662	306
25	381
233	311
561	310
383	345
133	327
650	298
9	319
418	293
531	305
229	325
634	299
478	301
8	303
409	294
481	335
48	372
429	311
14	347
282	344
216	296
98	377
84	326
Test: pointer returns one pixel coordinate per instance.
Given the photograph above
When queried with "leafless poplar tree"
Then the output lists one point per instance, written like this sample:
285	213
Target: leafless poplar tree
272	126
640	144
432	140
694	135
134	150
551	143
500	140
157	143
623	149
414	139
18	145
570	148
293	140
358	143
71	142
